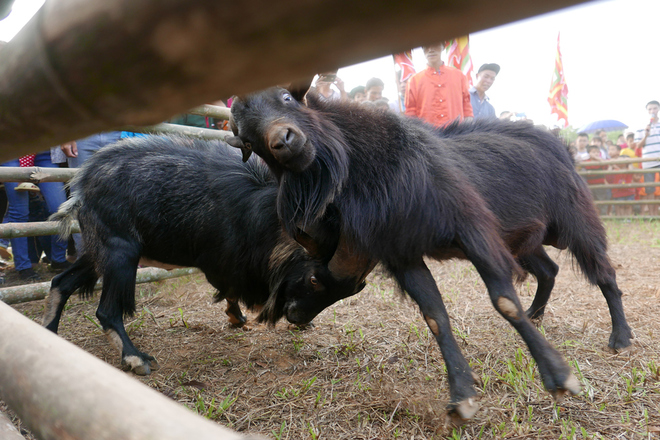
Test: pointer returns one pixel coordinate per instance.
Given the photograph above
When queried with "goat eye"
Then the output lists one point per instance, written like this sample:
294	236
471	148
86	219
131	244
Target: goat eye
313	280
287	97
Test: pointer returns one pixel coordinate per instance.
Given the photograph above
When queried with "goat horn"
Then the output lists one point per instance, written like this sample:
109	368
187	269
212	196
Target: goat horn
305	240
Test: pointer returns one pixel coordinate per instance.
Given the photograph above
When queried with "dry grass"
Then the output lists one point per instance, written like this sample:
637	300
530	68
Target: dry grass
371	370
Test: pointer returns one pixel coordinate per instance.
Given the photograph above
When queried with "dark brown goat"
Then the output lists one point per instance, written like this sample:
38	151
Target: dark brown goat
491	192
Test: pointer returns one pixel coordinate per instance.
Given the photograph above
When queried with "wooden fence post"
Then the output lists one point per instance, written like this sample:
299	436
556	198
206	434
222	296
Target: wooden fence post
62	392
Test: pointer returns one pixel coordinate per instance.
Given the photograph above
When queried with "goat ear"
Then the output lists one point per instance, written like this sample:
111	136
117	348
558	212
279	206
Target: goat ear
236	142
299	88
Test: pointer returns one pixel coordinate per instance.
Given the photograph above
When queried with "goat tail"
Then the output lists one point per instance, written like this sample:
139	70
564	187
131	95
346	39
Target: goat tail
66	216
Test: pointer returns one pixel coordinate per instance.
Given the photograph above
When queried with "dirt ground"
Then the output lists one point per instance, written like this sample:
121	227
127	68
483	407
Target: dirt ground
369	369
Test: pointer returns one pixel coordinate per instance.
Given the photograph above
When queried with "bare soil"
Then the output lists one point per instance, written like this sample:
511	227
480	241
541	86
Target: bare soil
370	369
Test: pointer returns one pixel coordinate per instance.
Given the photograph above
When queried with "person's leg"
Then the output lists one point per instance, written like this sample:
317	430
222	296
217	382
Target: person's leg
17	212
650	193
54	196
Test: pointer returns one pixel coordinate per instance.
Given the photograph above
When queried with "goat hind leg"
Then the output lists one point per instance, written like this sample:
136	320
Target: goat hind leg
80	275
118	299
555	372
541	266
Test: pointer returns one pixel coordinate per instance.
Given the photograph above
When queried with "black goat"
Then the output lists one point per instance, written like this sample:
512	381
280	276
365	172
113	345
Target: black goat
491	192
178	202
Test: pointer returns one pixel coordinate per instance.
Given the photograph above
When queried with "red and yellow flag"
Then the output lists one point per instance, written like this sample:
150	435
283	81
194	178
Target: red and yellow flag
458	56
558	97
405	64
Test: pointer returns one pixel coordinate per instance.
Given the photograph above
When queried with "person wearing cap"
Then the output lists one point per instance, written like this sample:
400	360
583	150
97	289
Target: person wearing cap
438	94
357	94
481	106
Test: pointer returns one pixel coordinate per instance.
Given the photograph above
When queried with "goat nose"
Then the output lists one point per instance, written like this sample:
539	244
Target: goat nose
286	137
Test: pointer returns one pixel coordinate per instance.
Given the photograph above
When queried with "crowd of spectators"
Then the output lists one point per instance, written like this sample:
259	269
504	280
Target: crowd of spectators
598	153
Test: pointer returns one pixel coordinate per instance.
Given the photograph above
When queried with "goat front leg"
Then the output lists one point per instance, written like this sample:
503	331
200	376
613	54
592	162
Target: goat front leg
234	313
418	282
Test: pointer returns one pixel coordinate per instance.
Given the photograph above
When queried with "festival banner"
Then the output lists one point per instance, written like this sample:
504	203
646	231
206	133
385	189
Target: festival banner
458	56
558	97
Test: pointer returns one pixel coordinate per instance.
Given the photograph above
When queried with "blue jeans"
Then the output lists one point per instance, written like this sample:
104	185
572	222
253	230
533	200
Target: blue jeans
18	211
90	145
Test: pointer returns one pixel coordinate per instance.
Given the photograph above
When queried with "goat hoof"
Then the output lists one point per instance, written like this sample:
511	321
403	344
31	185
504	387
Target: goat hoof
142	370
462	411
140	365
620	341
302	327
236	321
571	387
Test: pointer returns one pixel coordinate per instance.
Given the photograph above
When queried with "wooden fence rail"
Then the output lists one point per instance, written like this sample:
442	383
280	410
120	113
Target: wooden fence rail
37	291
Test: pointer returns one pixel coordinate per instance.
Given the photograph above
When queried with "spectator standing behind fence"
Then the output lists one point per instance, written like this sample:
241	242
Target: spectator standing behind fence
373	90
629	151
481	106
581	144
438	94
324	88
18	211
597	141
357	94
599	194
620	194
648	139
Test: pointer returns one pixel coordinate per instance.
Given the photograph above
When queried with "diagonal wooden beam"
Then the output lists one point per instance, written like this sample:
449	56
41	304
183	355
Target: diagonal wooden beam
80	67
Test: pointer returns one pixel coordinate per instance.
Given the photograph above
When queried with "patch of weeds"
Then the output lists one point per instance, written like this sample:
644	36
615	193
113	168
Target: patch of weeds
93	321
634	384
354	340
279	435
297	340
174	321
520	372
314	432
214	409
587	389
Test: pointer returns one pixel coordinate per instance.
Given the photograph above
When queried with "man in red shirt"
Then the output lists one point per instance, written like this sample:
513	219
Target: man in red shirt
439	94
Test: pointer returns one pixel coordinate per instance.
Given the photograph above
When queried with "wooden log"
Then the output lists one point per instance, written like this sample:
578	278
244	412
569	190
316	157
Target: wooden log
624	185
60	391
608	172
32	229
627	202
7	429
81	67
182	130
36	174
213	111
37	291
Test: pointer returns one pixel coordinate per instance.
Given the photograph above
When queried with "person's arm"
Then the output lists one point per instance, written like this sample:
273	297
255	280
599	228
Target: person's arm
467	103
343	96
70	149
410	100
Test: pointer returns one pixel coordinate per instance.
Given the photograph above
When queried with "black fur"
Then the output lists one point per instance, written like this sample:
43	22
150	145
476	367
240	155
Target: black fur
188	203
490	191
